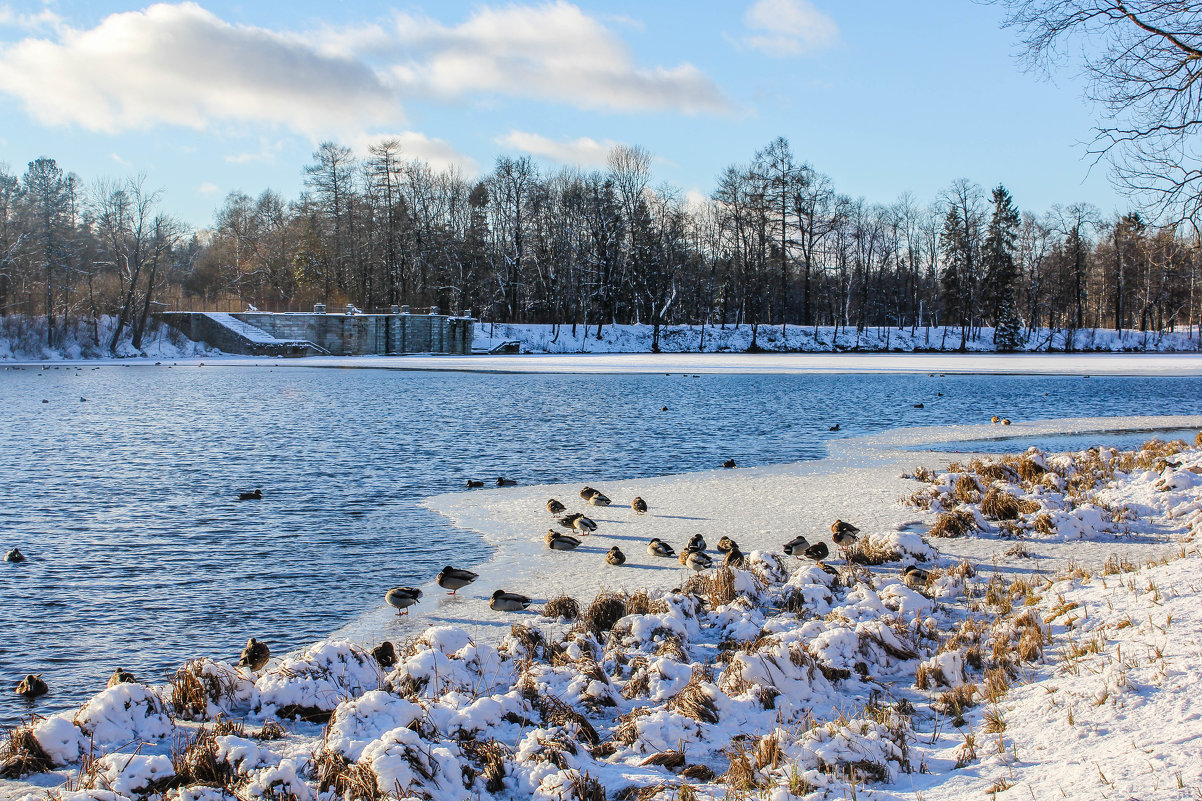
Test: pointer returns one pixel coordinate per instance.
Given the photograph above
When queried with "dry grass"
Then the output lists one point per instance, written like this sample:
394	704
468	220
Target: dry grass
192	689
557	713
21	754
695	701
605	610
1001	505
562	606
966	753
1019	551
638	603
741	776
953	524
197	762
349	780
717	587
923	474
1198	440
966	489
1044	524
587	788
672	759
865	552
627	730
488	758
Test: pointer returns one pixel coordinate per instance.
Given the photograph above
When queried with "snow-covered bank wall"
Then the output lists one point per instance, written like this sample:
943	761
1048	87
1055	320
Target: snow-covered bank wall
737	339
24	338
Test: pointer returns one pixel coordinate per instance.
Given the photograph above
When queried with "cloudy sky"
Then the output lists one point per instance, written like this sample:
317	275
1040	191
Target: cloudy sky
212	96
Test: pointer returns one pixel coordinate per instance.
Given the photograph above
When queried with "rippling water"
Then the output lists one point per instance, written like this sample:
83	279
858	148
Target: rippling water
139	557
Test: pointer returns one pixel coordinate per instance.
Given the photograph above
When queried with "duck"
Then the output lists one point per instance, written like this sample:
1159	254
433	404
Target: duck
697	543
599	499
995	419
698	561
1005	421
839	527
560	542
14	556
455	579
916	577
684	554
587	493
639	506
835	427
615	556
555	507
729	463
385	654
844	539
796	546
257	495
473	483
725	544
569	520
734	558
919	406
120	676
402	598
584	525
32	686
254	655
658	547
508	601
817	552
506	482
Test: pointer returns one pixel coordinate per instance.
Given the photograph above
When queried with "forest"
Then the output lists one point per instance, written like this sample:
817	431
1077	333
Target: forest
774	243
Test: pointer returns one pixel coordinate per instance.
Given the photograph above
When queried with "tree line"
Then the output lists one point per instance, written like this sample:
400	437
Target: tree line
775	243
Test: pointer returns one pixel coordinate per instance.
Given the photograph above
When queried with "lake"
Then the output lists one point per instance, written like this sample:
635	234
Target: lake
139	556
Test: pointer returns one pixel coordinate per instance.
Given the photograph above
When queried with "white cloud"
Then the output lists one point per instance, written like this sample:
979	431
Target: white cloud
181	65
117	158
207	188
788	27
584	151
42	19
438	153
551	52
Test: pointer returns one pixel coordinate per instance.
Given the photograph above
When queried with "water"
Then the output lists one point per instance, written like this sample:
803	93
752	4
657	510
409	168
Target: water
140	557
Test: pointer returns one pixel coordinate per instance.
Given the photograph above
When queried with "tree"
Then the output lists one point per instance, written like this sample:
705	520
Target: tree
44	188
1143	62
1001	269
330	176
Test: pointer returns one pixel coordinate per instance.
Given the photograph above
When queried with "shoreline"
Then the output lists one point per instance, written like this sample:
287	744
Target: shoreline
1016	364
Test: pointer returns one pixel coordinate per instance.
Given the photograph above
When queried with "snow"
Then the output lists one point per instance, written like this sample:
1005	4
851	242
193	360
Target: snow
1036	673
23	339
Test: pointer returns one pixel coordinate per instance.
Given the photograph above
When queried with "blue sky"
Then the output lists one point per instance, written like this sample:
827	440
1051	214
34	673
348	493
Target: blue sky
210	97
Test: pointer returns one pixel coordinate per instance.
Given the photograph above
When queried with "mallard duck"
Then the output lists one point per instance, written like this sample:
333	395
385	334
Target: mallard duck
508	601
1005	421
844	539
729	463
599	499
615	556
725	544
839	527
698	561
473	483
795	546
569	521
402	598
254	655
818	551
385	654
121	676
585	525
32	686
684	554
734	558
555	507
835	427
697	543
455	579
506	482
658	547
14	555
916	577
257	495
995	419
639	506
587	493
560	542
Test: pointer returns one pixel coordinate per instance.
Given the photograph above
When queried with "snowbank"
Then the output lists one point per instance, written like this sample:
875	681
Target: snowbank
24	339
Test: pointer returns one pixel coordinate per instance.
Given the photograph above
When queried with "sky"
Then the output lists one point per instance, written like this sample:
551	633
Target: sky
209	97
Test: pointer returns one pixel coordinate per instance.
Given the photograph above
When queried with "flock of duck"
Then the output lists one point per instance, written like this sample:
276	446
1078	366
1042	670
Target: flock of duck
693	555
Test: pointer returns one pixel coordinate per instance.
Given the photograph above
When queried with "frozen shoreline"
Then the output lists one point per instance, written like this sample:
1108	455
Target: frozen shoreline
1115	364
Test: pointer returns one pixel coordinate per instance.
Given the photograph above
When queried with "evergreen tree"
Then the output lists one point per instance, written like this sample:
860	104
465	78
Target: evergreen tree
1001	270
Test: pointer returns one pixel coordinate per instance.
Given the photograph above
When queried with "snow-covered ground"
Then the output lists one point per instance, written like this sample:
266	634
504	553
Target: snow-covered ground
23	339
1041	658
533	338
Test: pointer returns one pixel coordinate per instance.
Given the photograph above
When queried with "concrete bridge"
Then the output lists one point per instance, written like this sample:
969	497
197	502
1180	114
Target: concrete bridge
343	334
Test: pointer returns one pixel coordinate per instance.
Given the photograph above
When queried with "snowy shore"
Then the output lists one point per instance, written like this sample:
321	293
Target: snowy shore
1038	650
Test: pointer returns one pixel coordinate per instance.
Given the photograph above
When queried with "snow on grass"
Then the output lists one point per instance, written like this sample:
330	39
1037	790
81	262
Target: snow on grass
778	679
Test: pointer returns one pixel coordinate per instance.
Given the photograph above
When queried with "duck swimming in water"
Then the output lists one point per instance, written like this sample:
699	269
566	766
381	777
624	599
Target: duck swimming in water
254	655
402	598
506	482
455	579
14	556
473	483
32	686
729	464
508	601
257	495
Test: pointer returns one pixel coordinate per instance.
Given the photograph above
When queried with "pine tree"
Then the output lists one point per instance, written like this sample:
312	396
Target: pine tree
1001	270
